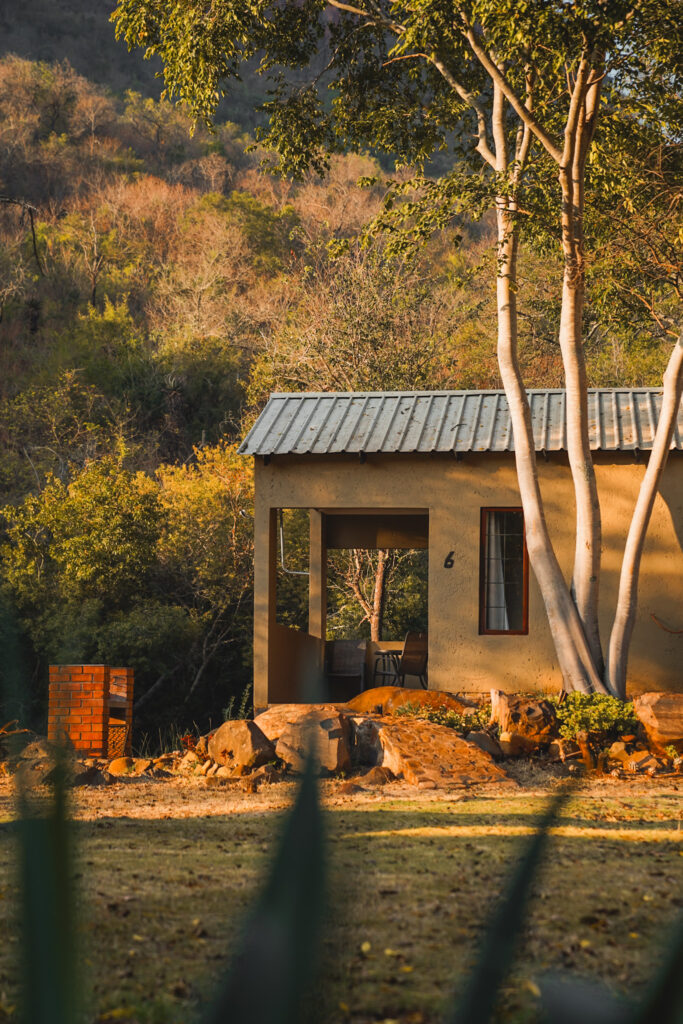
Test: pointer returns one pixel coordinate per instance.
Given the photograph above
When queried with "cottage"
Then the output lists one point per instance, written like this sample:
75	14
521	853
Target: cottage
435	470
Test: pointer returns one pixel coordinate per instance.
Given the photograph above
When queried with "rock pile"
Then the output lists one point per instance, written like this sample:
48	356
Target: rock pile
374	738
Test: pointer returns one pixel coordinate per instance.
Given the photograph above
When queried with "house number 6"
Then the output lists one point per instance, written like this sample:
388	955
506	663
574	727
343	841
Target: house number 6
449	561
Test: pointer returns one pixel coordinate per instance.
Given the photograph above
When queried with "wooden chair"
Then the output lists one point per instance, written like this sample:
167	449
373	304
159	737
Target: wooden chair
392	667
345	668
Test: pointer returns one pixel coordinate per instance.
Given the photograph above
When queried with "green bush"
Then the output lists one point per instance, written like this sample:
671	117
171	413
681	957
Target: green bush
464	723
597	713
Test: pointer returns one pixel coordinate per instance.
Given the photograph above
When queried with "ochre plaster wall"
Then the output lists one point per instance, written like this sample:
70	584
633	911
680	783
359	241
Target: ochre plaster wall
453	492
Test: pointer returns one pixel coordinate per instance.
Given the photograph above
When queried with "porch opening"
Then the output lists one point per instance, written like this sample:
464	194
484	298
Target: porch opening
350	584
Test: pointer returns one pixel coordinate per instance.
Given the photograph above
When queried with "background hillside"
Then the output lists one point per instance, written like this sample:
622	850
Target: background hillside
155	286
79	32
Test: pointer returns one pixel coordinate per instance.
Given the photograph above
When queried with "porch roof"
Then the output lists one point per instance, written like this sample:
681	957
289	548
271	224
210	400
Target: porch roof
328	423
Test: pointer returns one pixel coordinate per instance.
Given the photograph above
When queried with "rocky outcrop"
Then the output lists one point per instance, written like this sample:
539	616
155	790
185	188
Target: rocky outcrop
527	722
241	746
374	700
292	728
424	754
386	699
428	699
662	717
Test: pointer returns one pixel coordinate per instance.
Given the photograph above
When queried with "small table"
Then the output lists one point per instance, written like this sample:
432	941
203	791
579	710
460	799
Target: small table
386	665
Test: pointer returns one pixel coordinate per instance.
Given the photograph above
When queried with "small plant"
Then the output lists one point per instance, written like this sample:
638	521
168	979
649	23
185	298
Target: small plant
672	752
462	722
168	739
598	714
243	709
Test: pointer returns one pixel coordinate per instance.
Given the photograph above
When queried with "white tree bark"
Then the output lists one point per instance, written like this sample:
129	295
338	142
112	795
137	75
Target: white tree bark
579	130
627	601
573	652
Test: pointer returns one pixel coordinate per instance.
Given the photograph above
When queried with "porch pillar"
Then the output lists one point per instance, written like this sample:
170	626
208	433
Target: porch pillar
265	541
317	580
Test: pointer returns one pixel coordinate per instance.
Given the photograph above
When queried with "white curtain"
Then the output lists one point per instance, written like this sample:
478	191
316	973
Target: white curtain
496	609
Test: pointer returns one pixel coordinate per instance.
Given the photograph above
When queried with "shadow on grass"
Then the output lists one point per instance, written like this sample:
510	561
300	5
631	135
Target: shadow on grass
162	902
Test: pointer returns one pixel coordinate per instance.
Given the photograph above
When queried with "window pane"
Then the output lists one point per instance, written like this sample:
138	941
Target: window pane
504	585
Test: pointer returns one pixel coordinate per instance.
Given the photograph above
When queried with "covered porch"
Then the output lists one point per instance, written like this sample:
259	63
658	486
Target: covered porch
290	659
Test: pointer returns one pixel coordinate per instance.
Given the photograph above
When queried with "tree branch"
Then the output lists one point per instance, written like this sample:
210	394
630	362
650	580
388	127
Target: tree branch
498	78
30	210
468	97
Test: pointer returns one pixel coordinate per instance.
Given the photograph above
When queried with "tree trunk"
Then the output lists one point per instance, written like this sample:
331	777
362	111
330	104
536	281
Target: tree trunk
377	614
627	601
573	652
586	572
587	550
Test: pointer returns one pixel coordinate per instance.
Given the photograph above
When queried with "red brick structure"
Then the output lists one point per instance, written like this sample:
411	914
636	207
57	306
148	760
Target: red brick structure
120	710
91	706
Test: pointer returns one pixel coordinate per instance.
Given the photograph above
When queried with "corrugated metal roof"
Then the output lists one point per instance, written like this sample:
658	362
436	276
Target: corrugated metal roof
447	421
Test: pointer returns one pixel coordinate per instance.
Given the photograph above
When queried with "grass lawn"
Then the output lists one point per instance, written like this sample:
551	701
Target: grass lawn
167	869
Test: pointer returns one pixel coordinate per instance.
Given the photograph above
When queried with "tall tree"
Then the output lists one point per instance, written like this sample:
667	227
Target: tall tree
516	94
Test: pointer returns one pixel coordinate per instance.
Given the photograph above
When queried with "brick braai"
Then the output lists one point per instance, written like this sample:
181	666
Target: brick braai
91	706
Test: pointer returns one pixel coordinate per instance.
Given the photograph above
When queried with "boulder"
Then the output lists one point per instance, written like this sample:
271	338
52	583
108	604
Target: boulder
662	718
618	751
436	700
14	740
240	744
512	744
641	761
169	761
293	758
269	773
201	748
293	727
90	776
531	719
378	776
39	749
122	766
486	742
217	781
373	700
30	774
385	700
188	761
429	755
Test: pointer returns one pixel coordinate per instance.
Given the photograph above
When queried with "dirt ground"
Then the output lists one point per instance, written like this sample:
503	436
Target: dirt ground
167	869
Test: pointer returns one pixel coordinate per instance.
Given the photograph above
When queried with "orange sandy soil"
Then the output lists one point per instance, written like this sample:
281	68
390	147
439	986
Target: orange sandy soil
166	870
